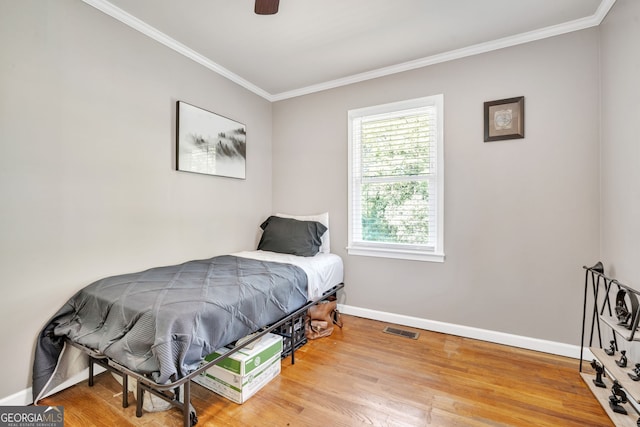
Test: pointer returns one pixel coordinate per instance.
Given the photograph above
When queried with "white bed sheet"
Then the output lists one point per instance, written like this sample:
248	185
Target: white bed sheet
324	270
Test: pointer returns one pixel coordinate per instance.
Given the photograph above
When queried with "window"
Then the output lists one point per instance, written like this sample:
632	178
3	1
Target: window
396	180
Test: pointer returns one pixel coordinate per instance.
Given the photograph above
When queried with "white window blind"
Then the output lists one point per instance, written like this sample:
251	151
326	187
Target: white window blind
395	188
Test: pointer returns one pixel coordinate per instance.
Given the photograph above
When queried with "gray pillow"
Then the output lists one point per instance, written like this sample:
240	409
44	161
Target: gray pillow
291	236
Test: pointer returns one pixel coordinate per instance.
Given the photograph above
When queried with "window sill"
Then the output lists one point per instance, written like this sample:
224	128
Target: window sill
406	254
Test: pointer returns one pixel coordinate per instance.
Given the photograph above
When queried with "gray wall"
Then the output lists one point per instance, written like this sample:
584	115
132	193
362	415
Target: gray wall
87	179
88	187
521	216
620	207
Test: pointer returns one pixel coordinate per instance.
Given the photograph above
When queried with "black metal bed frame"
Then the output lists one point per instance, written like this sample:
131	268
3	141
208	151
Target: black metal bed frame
170	392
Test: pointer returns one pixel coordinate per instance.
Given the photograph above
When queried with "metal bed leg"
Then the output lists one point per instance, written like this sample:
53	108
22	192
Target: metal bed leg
186	411
125	391
139	397
90	371
293	340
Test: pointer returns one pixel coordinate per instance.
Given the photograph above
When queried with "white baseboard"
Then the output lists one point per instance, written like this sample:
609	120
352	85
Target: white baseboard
529	343
21	398
24	397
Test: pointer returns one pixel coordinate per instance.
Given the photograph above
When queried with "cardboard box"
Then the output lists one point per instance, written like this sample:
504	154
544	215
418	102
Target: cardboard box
242	374
239	388
246	360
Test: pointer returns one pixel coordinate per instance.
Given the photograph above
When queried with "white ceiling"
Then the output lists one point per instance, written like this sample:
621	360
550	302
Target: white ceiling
312	45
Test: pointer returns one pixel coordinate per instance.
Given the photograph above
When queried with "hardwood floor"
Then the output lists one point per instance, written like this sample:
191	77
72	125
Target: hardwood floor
361	376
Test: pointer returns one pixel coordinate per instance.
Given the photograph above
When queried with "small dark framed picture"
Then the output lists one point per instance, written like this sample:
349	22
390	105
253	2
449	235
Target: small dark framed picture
504	119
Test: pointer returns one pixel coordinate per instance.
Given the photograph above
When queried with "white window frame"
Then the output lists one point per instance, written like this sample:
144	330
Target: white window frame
433	253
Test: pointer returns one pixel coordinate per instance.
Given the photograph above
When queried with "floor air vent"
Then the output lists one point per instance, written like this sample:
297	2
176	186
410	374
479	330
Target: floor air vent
401	332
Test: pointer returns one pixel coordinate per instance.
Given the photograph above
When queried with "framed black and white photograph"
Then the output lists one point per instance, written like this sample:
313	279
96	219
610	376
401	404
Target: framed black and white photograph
504	119
208	143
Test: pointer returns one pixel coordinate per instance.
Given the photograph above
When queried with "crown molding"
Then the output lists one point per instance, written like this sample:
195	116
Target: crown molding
551	31
146	29
603	10
543	33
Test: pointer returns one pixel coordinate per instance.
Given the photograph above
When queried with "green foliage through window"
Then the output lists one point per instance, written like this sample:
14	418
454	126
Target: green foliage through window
396	162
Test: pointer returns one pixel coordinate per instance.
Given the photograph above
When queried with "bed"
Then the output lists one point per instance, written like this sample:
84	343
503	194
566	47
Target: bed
156	326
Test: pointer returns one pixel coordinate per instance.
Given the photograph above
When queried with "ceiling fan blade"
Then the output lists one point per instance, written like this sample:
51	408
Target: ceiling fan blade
266	7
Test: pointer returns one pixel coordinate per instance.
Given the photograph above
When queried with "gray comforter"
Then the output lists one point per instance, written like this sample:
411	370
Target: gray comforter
164	321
